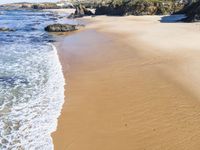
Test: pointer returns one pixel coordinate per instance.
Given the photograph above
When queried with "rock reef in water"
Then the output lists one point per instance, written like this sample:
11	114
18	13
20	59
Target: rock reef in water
61	28
26	5
6	29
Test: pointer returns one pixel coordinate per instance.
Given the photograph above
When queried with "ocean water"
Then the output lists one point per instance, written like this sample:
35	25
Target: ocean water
31	81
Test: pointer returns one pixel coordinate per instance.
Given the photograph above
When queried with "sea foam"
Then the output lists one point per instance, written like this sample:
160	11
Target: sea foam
28	121
31	85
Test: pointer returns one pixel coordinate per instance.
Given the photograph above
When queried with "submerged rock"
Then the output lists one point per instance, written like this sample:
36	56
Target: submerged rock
3	29
61	28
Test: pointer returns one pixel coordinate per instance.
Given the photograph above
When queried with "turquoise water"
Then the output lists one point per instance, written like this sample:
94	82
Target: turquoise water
31	81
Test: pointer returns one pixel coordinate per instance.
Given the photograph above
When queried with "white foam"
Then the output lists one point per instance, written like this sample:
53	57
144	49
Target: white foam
62	84
27	122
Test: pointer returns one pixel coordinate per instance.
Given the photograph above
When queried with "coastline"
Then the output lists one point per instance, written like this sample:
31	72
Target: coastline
130	86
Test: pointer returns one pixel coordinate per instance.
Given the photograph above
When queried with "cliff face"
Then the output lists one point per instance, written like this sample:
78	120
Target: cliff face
137	7
118	7
192	12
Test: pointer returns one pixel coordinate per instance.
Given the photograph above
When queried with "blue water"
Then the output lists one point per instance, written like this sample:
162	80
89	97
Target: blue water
31	81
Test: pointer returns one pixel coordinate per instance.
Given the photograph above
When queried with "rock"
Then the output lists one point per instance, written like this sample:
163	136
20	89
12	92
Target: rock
80	12
192	11
61	28
51	41
45	6
133	7
6	30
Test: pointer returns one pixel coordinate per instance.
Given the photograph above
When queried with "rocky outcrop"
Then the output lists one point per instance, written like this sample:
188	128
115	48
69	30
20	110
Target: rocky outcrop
140	7
25	5
17	5
6	29
86	3
80	12
61	28
192	11
45	6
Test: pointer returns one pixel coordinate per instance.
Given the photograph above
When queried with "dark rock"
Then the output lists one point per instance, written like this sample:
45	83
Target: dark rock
192	11
51	41
103	10
80	12
45	6
6	30
61	28
142	7
71	16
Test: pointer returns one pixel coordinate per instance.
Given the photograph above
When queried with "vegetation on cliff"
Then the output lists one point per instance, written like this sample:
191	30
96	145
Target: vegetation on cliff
138	7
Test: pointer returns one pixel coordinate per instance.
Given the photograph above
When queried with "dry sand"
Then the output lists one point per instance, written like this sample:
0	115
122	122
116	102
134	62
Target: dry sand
132	84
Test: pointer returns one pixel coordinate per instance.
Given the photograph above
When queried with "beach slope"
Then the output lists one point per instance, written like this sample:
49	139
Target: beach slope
132	84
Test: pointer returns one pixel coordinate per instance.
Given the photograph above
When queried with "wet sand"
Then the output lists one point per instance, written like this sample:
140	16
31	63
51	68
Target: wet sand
132	84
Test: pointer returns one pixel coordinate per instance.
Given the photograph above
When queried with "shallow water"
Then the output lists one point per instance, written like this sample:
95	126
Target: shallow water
31	81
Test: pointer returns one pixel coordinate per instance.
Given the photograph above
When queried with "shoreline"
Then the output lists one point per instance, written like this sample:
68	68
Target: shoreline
126	90
62	84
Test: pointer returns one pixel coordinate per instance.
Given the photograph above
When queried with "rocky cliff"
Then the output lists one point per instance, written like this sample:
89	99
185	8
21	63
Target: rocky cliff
192	12
138	7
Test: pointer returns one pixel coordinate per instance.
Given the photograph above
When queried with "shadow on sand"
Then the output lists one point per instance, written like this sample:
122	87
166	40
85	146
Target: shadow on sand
172	18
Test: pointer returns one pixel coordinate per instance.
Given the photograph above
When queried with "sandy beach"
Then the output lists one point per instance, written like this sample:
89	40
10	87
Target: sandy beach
132	83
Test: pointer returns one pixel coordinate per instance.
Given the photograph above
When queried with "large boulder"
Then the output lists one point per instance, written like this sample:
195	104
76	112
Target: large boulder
61	28
81	11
